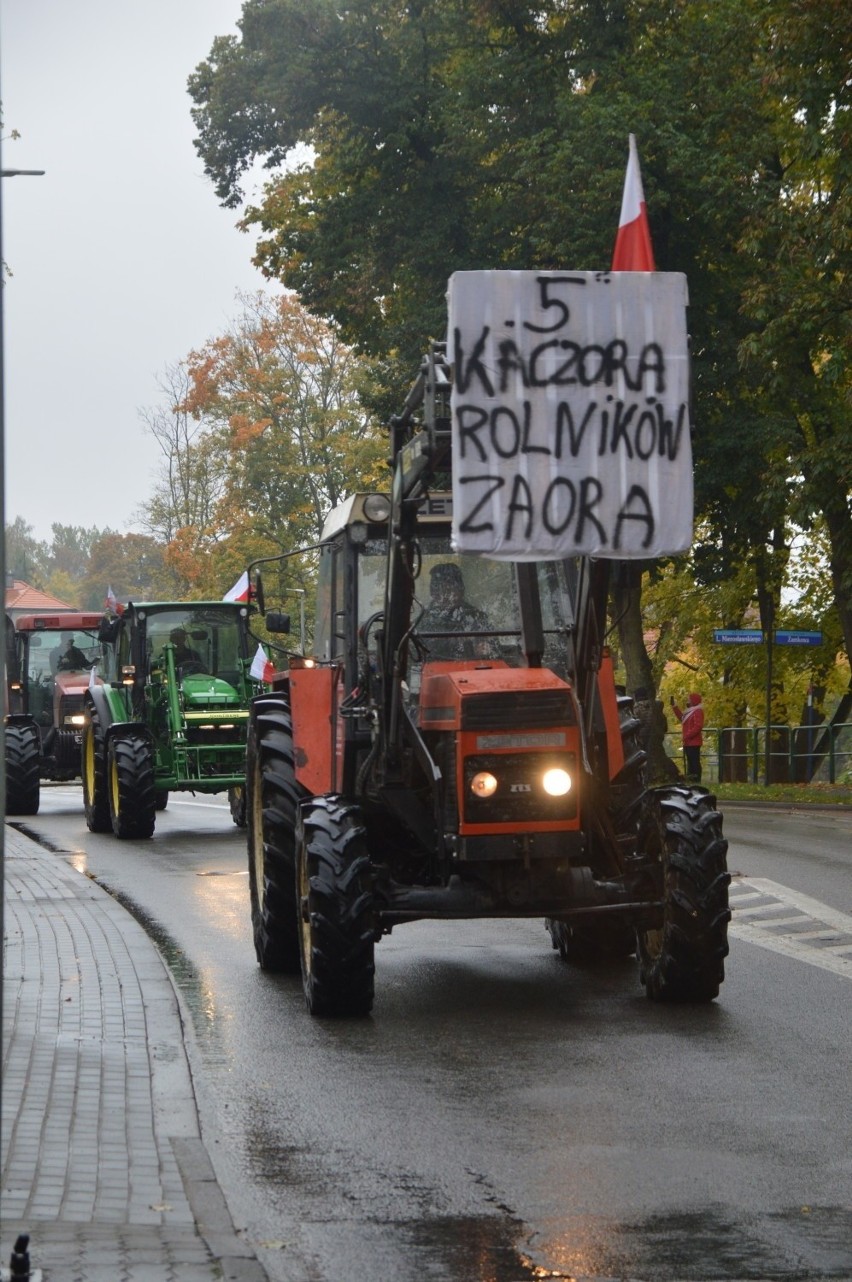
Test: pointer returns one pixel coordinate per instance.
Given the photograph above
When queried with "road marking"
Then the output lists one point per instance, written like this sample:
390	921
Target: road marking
758	924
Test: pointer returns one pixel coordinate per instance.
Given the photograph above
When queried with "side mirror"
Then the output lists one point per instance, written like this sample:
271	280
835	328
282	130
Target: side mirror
258	595
277	622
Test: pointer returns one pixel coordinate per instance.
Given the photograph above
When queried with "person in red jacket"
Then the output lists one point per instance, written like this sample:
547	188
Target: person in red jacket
692	723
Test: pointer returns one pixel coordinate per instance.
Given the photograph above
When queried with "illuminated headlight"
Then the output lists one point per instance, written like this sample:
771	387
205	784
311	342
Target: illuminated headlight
556	782
76	719
520	787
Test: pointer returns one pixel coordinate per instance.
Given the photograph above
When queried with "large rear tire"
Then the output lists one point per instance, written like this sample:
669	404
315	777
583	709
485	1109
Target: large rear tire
23	762
683	960
130	775
336	905
272	798
93	768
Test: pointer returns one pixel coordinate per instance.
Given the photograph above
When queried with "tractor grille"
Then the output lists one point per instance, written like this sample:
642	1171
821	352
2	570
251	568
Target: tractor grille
513	708
71	704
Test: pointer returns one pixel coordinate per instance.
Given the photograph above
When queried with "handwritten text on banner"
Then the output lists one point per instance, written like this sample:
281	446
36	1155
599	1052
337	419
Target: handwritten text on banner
570	414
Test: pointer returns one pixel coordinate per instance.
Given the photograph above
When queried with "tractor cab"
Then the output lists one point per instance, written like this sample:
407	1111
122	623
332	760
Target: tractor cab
204	645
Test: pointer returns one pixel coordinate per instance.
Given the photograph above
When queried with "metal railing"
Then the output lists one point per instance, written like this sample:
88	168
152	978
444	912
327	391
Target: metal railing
797	754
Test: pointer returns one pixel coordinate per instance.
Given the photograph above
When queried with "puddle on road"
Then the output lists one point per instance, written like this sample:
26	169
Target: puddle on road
785	1245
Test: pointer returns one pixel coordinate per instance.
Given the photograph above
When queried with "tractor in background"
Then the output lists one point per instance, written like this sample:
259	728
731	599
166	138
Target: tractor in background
171	714
52	657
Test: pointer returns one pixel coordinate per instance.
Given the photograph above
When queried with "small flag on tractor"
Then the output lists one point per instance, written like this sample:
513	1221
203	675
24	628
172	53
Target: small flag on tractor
633	250
112	603
240	591
262	668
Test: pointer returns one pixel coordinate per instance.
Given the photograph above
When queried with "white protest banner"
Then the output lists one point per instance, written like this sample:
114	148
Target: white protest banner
570	414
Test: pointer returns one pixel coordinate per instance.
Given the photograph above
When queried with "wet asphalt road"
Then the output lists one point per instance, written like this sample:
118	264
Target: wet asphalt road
503	1116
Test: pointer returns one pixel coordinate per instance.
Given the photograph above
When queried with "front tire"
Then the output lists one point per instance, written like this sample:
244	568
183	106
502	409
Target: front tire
683	959
23	763
272	798
132	796
336	906
93	768
237	805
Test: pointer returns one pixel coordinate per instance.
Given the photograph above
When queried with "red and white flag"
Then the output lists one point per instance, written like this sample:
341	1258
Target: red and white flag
633	250
240	590
111	600
262	668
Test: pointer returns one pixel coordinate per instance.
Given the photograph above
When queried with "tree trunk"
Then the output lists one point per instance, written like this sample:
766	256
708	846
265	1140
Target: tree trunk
627	610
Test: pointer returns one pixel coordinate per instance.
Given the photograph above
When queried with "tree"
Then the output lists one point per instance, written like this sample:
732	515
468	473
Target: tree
190	483
799	310
26	557
131	564
452	135
265	432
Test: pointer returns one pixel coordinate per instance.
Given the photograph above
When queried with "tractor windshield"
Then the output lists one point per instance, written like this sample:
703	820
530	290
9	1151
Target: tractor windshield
468	606
204	639
71	650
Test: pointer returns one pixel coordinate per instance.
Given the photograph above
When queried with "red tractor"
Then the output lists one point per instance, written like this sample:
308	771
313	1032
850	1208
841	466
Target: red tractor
465	758
54	655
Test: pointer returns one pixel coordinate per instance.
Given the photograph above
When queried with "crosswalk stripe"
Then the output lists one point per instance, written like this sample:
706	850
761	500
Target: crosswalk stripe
756	924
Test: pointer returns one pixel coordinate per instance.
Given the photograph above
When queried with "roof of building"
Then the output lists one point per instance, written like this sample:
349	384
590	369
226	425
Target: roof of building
23	598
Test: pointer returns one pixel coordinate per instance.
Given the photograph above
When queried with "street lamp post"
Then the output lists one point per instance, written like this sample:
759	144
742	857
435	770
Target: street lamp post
23	1257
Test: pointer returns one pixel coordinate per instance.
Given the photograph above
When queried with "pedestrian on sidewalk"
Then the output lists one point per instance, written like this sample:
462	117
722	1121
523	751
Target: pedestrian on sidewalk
692	723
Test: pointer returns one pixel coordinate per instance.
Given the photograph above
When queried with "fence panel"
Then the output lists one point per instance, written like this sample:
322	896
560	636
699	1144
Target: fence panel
797	754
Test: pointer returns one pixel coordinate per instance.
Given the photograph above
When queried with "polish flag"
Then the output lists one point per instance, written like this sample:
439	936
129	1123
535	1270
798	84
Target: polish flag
262	668
240	590
111	601
633	251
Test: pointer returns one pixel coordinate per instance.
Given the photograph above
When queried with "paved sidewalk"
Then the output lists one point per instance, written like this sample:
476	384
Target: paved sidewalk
102	1159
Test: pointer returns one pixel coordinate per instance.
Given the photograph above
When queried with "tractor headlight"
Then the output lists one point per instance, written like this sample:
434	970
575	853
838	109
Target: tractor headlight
483	784
377	507
520	787
556	782
76	719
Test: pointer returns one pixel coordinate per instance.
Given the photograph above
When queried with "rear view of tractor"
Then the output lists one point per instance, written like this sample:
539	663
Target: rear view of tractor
171	713
455	745
51	660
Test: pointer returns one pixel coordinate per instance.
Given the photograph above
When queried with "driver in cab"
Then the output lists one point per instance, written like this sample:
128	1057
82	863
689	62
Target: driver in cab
68	657
450	611
184	653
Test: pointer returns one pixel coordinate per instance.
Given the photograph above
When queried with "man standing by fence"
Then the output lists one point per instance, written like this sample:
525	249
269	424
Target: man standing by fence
692	723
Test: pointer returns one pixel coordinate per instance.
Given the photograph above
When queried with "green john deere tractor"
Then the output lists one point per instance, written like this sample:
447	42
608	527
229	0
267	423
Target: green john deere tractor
171	714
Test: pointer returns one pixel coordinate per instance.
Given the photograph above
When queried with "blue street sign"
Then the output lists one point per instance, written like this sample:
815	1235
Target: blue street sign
739	636
798	638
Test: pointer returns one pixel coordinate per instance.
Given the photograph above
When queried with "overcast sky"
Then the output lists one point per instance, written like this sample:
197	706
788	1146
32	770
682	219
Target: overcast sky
122	259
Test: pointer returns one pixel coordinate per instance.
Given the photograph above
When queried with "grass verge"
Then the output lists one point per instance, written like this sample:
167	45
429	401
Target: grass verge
799	795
